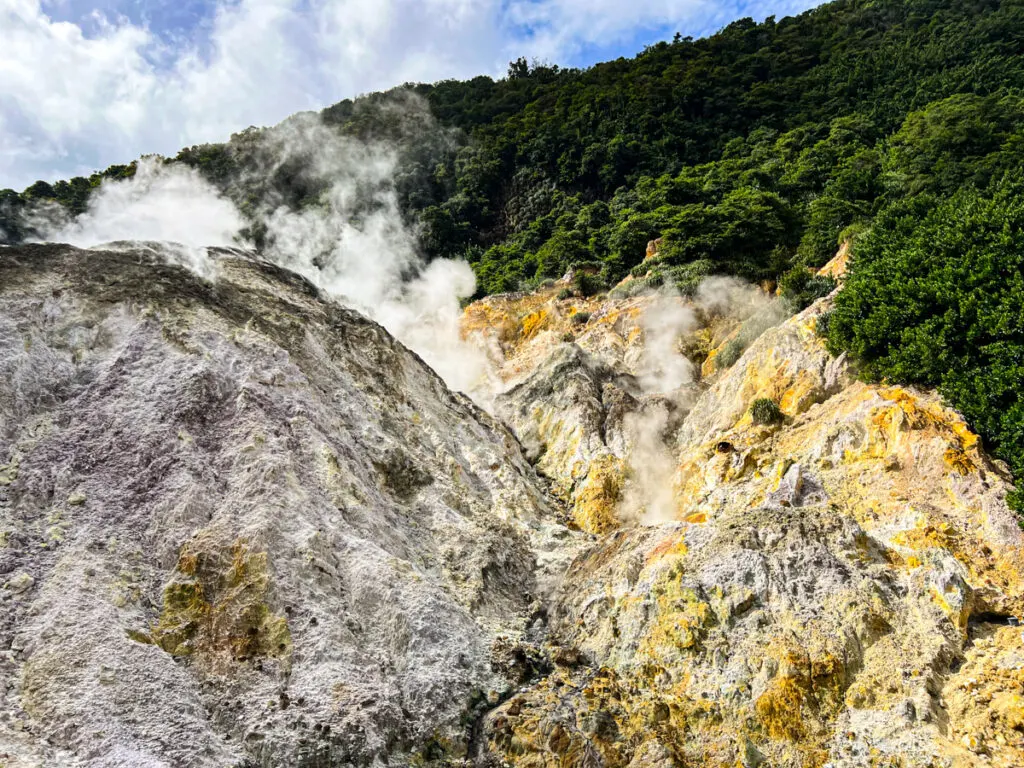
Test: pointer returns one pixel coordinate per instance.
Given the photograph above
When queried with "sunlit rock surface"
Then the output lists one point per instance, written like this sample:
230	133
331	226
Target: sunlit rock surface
241	525
570	417
839	588
577	371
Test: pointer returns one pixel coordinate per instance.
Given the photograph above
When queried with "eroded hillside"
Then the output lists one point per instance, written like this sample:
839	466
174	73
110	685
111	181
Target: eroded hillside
241	525
835	585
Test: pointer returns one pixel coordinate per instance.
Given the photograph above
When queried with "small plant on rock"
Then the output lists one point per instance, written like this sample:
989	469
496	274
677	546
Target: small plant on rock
765	411
586	284
729	354
822	325
802	287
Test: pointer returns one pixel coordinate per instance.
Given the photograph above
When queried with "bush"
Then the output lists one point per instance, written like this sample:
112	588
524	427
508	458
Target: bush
764	412
585	284
828	217
801	287
795	280
934	298
822	326
819	287
581	318
656	280
854	232
619	293
687	278
750	331
646	266
565	293
729	354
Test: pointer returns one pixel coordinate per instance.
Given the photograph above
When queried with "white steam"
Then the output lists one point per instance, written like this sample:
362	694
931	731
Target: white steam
731	297
662	367
668	382
649	496
351	241
666	377
356	246
161	202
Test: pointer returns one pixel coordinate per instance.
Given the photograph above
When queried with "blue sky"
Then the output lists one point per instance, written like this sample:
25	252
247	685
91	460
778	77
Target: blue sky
166	17
191	20
87	84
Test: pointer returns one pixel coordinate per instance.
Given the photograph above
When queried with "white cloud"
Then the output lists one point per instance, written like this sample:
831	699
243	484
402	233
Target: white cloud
565	25
73	101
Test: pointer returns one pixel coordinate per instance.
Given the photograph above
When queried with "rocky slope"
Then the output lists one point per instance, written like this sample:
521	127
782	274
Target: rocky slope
836	587
241	525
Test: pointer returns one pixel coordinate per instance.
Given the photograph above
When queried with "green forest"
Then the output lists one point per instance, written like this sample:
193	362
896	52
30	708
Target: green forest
896	125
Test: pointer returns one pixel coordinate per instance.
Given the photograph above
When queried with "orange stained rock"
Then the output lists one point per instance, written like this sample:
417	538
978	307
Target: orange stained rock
671	545
837	266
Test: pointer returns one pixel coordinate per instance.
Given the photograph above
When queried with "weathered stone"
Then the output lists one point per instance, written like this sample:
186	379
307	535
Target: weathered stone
298	546
20	582
813	599
258	531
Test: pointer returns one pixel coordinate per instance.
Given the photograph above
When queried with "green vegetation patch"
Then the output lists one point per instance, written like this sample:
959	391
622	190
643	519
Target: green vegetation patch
217	603
936	298
765	412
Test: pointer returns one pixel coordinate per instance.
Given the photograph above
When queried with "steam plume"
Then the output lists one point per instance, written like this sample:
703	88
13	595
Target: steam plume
668	382
352	241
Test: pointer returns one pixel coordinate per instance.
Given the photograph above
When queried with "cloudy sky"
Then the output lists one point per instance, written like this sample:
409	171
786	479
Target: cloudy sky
86	84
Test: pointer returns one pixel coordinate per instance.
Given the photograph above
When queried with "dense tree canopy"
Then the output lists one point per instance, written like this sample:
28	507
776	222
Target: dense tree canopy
748	151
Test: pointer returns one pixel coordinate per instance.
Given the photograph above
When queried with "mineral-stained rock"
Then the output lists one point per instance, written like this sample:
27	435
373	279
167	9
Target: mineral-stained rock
241	525
838	590
570	417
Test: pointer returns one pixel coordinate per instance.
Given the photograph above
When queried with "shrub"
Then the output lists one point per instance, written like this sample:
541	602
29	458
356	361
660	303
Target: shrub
581	318
621	292
801	287
764	412
586	284
750	331
854	232
818	287
565	293
645	266
934	297
822	326
729	354
687	278
794	281
656	280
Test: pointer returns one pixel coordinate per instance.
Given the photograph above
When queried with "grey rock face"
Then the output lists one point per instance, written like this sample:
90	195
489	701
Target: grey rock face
241	525
583	390
579	418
